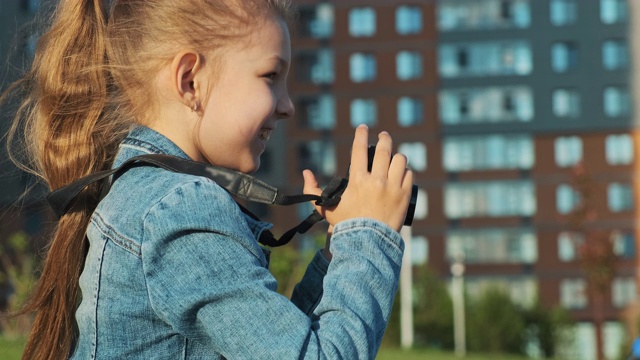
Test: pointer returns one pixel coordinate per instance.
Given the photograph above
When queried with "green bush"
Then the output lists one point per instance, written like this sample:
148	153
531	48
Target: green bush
432	313
432	310
547	327
17	276
495	324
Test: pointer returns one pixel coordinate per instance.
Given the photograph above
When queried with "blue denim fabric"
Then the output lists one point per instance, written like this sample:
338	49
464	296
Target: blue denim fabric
174	271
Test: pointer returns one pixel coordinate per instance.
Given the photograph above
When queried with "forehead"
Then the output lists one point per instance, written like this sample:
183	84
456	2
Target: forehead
269	39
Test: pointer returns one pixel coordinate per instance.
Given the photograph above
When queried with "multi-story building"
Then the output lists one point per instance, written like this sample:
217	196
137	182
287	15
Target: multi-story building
495	102
17	45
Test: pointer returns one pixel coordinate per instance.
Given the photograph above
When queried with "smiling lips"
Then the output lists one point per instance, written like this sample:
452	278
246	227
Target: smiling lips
264	134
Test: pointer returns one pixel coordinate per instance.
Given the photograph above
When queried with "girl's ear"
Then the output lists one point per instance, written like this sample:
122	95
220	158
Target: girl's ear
184	68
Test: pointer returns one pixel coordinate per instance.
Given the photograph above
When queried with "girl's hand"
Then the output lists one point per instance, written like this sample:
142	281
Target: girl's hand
382	194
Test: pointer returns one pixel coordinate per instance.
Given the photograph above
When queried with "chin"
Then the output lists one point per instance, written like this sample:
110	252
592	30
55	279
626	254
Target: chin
251	168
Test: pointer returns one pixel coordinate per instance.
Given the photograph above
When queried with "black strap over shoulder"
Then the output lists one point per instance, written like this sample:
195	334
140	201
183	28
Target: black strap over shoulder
241	185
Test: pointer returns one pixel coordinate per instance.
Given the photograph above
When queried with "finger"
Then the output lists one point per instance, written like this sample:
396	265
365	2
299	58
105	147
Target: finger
382	157
359	156
310	183
398	169
310	187
407	181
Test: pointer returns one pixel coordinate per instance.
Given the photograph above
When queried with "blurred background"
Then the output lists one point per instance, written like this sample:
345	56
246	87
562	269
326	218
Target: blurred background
518	121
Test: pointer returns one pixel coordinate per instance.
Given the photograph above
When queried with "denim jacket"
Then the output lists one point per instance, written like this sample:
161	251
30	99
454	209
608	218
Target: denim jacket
174	271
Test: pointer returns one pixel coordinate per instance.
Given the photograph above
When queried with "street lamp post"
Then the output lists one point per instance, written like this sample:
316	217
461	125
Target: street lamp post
406	292
457	295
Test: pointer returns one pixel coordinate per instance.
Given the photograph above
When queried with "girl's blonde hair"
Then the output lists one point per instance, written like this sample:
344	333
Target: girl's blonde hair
91	79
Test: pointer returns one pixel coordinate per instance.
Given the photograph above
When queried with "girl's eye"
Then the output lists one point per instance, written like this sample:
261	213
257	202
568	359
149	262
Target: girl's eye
271	75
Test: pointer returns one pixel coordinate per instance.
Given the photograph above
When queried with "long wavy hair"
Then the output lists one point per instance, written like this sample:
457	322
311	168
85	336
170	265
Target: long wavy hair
90	81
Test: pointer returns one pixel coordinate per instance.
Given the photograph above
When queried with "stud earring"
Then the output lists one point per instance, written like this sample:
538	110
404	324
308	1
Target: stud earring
196	106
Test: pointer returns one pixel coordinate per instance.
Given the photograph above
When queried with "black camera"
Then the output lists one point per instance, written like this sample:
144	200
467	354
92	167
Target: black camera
411	209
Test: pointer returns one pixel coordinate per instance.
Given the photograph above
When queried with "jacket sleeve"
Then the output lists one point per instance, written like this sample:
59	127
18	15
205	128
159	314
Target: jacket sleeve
206	276
308	292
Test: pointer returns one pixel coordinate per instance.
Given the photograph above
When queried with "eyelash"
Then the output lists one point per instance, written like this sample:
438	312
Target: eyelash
271	76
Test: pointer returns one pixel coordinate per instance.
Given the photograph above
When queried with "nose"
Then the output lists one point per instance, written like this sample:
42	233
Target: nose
285	108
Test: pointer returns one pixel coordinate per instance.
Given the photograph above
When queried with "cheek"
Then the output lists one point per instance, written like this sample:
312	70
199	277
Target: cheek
265	100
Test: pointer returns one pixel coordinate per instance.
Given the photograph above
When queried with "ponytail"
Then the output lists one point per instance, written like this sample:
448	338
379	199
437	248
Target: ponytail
66	128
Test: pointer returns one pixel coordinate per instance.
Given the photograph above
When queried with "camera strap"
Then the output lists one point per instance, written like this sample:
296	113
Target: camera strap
242	186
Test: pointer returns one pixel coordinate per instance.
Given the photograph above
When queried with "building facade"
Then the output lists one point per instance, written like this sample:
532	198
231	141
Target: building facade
497	103
19	210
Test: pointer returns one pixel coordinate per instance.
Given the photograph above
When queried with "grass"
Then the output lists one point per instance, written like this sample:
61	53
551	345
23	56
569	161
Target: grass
11	349
415	354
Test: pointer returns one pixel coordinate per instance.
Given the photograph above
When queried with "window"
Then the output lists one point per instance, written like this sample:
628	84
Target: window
566	103
522	290
456	15
408	20
408	65
422	205
568	151
364	111
619	149
416	154
317	113
566	198
485	246
491	198
31	6
568	245
362	67
563	12
624	244
613	11
499	58
488	152
623	291
613	339
486	105
615	55
620	197
303	210
617	101
317	22
362	22
30	46
573	293
316	67
410	111
564	57
318	156
419	250
583	344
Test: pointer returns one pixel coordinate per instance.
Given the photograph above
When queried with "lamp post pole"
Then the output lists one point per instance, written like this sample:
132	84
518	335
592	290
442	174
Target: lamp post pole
406	292
457	295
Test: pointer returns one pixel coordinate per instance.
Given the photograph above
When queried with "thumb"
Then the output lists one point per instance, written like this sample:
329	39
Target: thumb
310	183
311	188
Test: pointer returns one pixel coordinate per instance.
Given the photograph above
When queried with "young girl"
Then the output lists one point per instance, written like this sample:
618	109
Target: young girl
166	265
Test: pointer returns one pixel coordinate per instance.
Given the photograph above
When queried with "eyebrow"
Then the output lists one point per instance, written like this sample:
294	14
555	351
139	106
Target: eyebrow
280	60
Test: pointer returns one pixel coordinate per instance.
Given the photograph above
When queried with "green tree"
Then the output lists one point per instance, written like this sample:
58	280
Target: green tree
17	275
288	264
596	254
432	310
495	324
547	327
